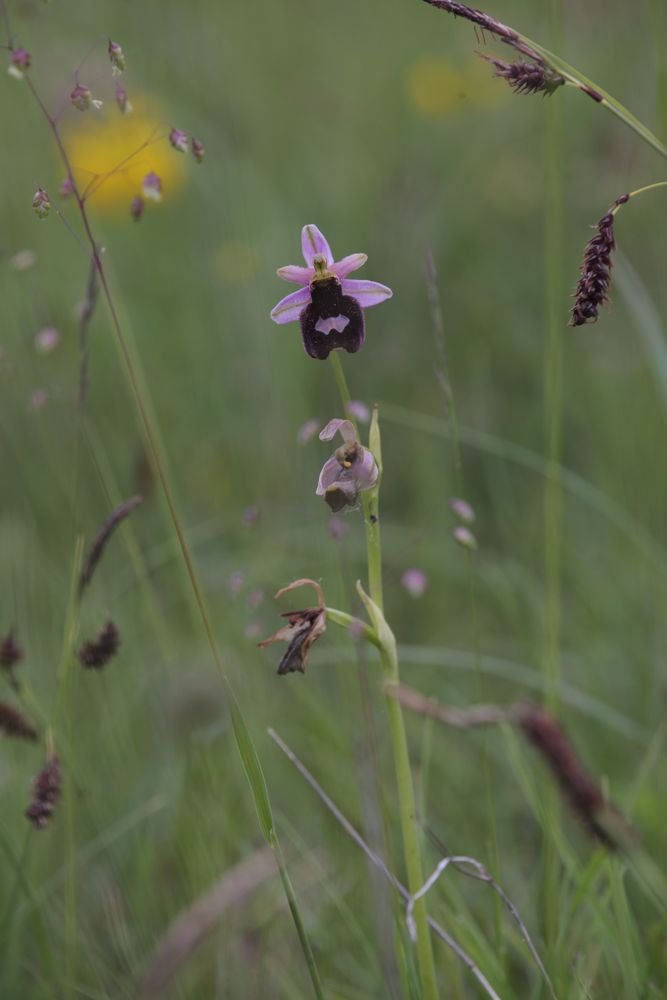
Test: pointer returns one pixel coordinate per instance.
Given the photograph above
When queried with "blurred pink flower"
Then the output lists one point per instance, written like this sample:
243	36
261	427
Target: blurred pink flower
415	582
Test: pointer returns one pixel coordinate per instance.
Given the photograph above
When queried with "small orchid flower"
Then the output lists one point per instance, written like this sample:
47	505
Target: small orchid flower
330	305
350	470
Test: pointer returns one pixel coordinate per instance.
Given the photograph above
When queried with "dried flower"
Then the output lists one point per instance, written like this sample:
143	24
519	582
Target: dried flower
45	793
463	510
137	207
97	652
179	140
19	63
41	203
122	101
593	287
303	629
152	187
13	723
465	538
82	99
117	57
10	651
198	150
350	470
415	582
525	77
47	340
330	305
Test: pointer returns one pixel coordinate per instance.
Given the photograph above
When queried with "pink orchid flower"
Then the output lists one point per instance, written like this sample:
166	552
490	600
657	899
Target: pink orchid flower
329	305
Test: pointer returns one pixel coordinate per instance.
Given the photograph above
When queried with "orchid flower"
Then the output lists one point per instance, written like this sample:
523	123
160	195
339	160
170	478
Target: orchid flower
329	305
349	471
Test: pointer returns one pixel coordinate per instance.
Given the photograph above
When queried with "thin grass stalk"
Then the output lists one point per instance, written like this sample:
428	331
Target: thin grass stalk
406	795
245	745
553	494
451	417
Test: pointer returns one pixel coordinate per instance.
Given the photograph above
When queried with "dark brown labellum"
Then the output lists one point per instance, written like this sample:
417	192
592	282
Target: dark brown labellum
327	302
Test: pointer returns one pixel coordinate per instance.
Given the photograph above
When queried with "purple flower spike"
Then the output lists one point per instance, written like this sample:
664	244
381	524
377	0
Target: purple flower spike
330	305
350	470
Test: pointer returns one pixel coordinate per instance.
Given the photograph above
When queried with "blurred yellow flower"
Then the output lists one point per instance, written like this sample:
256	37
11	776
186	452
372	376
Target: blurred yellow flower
113	153
437	88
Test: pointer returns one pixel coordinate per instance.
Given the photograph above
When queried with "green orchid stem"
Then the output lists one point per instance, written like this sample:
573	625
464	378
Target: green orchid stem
351	623
389	661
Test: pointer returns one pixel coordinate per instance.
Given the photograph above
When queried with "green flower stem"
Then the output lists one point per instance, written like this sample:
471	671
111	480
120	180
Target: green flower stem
389	661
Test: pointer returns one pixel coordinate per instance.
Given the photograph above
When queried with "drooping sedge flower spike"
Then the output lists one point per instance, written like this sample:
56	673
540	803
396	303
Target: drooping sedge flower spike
329	305
595	281
350	470
525	77
303	629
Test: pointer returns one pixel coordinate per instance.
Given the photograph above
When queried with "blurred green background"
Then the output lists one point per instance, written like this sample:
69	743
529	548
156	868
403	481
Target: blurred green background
378	123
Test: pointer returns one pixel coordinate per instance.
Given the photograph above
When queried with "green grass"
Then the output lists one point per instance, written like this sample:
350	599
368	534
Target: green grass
307	116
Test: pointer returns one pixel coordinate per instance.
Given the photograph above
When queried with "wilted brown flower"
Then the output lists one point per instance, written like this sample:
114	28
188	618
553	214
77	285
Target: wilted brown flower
45	793
303	629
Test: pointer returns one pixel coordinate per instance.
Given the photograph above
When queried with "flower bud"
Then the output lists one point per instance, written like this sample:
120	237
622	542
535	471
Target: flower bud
152	187
179	140
41	203
19	63
198	150
117	57
122	101
463	510
465	538
82	99
137	207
